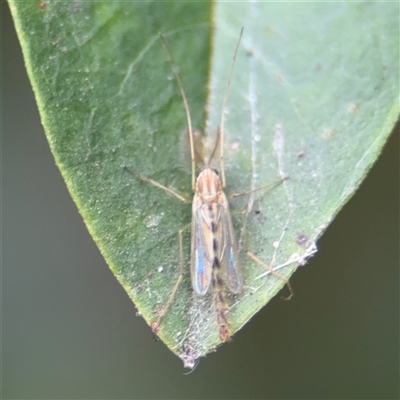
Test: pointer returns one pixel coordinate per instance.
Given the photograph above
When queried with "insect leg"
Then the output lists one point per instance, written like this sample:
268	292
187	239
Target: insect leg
269	185
245	213
155	326
187	109
273	272
249	207
156	184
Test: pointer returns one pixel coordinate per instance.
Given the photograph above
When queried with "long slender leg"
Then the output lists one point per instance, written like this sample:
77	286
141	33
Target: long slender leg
156	184
249	207
155	326
242	233
273	272
269	185
187	110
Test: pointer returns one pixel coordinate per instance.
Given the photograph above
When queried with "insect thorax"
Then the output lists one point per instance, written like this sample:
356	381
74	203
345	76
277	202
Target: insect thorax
208	185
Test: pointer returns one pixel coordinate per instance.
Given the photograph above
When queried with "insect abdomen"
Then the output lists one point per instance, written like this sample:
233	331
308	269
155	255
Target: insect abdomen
221	307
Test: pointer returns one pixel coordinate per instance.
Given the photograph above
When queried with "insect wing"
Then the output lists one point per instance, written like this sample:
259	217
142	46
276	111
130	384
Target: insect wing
213	237
229	256
202	256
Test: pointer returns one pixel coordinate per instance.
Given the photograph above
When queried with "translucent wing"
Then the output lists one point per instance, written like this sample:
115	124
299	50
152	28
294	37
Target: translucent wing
228	255
202	254
213	245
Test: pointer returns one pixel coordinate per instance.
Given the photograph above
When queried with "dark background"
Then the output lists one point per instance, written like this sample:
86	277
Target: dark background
70	331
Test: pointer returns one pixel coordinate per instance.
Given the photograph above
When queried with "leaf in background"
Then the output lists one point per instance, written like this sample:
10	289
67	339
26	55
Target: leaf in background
314	96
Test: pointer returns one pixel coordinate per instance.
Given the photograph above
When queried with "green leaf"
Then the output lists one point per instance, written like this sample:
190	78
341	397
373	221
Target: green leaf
314	96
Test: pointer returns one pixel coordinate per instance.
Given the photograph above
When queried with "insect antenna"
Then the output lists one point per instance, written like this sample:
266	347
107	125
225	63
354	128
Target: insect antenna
187	110
222	124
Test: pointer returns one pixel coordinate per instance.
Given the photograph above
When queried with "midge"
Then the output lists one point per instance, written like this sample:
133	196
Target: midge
214	261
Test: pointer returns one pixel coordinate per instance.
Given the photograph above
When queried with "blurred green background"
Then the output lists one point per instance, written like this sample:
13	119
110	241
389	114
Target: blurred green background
67	335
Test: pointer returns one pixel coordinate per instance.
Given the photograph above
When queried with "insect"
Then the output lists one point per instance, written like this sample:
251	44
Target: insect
214	261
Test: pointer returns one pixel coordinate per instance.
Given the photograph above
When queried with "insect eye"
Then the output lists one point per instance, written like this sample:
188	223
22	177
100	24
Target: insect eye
216	171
